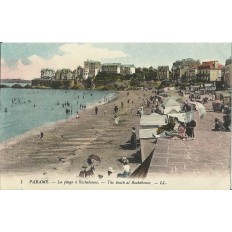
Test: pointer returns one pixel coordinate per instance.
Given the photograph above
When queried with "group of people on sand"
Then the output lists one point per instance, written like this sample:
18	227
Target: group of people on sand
222	126
177	130
225	124
88	169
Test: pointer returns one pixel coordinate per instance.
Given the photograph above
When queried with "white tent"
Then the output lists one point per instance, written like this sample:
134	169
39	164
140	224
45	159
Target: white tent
153	120
183	117
171	104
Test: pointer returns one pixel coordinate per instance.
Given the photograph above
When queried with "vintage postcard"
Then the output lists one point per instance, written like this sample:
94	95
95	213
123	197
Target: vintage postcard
115	115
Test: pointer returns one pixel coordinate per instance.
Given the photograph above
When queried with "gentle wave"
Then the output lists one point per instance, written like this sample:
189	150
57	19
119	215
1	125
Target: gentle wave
43	107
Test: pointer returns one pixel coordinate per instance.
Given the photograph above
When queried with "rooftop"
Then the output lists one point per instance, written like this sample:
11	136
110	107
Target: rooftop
108	64
128	65
163	68
211	65
65	70
46	69
92	61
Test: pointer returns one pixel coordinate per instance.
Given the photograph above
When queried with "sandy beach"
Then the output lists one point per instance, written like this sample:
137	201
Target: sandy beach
66	146
75	139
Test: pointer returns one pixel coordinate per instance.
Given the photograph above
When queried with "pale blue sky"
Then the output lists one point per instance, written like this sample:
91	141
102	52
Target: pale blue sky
140	54
147	54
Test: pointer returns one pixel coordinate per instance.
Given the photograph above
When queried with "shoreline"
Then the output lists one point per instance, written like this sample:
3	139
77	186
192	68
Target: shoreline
90	134
49	126
75	139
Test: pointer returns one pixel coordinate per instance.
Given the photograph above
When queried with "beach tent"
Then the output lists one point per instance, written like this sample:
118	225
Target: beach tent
153	120
173	111
171	104
183	117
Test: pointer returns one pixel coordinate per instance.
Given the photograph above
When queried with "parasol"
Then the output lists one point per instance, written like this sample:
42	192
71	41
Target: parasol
201	110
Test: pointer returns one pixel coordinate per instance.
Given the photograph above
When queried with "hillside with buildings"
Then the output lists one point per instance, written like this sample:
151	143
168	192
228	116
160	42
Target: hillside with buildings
117	76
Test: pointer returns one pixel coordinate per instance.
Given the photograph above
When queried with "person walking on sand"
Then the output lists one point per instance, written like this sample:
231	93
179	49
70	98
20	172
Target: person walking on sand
115	109
41	135
139	112
192	124
133	140
96	110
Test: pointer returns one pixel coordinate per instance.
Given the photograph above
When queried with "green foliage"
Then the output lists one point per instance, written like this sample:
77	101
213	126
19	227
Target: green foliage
102	87
147	73
77	86
102	76
118	81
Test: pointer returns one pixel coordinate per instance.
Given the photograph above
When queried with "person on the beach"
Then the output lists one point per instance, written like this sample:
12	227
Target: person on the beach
188	130
168	127
96	110
121	104
192	125
126	167
133	139
41	135
116	119
115	109
139	112
227	118
181	131
110	171
219	125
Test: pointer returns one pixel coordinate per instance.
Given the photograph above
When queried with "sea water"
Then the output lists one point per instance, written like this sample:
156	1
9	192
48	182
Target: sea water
24	109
